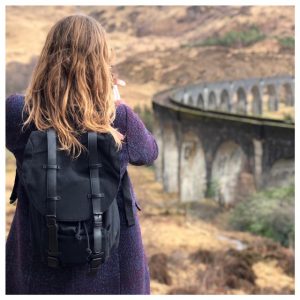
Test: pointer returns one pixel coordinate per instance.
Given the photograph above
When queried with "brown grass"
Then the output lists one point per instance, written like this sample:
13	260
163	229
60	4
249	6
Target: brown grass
192	258
152	61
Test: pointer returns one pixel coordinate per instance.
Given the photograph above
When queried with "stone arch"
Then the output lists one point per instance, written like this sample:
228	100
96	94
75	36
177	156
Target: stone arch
225	101
170	159
229	162
200	101
241	105
192	169
256	101
186	98
212	99
190	101
288	94
273	98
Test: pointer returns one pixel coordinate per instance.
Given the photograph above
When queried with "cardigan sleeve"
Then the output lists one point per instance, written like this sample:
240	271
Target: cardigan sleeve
140	144
15	136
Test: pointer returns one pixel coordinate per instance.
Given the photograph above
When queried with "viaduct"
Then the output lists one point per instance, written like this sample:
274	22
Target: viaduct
223	139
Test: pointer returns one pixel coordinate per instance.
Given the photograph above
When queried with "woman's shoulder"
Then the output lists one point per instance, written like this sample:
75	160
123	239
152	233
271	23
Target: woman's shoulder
16	97
15	138
14	106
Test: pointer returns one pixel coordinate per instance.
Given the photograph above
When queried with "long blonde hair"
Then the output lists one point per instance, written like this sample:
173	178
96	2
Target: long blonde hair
71	85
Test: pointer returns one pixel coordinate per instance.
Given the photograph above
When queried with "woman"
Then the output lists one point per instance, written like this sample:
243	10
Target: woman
71	91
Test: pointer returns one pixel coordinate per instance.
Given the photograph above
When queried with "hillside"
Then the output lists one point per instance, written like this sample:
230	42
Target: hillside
158	46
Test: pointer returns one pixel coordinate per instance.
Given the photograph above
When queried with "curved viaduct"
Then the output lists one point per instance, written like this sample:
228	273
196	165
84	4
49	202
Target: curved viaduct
215	141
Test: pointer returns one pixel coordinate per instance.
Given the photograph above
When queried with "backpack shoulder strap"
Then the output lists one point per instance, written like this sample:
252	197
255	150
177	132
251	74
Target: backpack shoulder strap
96	197
51	171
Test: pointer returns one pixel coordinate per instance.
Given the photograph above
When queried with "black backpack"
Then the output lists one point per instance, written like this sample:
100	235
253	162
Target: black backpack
73	210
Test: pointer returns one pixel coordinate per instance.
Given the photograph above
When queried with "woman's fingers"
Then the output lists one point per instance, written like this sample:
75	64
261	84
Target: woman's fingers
119	82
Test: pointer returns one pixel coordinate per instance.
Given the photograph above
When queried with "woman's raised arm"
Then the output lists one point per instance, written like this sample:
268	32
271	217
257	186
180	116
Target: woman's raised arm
140	143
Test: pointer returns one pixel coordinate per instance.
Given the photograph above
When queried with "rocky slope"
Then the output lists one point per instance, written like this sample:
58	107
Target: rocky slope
156	46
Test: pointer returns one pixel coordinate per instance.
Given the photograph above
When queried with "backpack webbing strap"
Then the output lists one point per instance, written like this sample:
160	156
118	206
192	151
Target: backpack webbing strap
96	195
51	199
127	199
14	194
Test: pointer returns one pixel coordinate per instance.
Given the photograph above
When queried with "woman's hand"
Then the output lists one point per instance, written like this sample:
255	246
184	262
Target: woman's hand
119	82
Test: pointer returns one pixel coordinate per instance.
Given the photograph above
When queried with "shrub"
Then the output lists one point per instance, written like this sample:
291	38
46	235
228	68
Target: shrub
232	39
268	213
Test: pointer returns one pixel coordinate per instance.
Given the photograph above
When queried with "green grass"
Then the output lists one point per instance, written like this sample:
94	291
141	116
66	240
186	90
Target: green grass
232	39
287	42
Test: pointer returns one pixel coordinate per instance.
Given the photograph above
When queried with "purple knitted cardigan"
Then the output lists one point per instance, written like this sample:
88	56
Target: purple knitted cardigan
126	271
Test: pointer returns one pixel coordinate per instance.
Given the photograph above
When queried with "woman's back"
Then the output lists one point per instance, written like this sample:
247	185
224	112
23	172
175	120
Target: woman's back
126	271
71	91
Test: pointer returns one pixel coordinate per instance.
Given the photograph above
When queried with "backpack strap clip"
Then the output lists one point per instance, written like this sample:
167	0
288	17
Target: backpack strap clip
96	261
98	220
52	241
94	196
51	166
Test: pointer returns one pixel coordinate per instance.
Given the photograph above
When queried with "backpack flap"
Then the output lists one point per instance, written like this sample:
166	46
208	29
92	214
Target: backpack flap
73	177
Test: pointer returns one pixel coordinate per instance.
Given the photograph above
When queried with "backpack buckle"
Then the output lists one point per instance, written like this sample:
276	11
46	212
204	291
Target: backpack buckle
52	262
51	221
96	261
95	196
98	220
